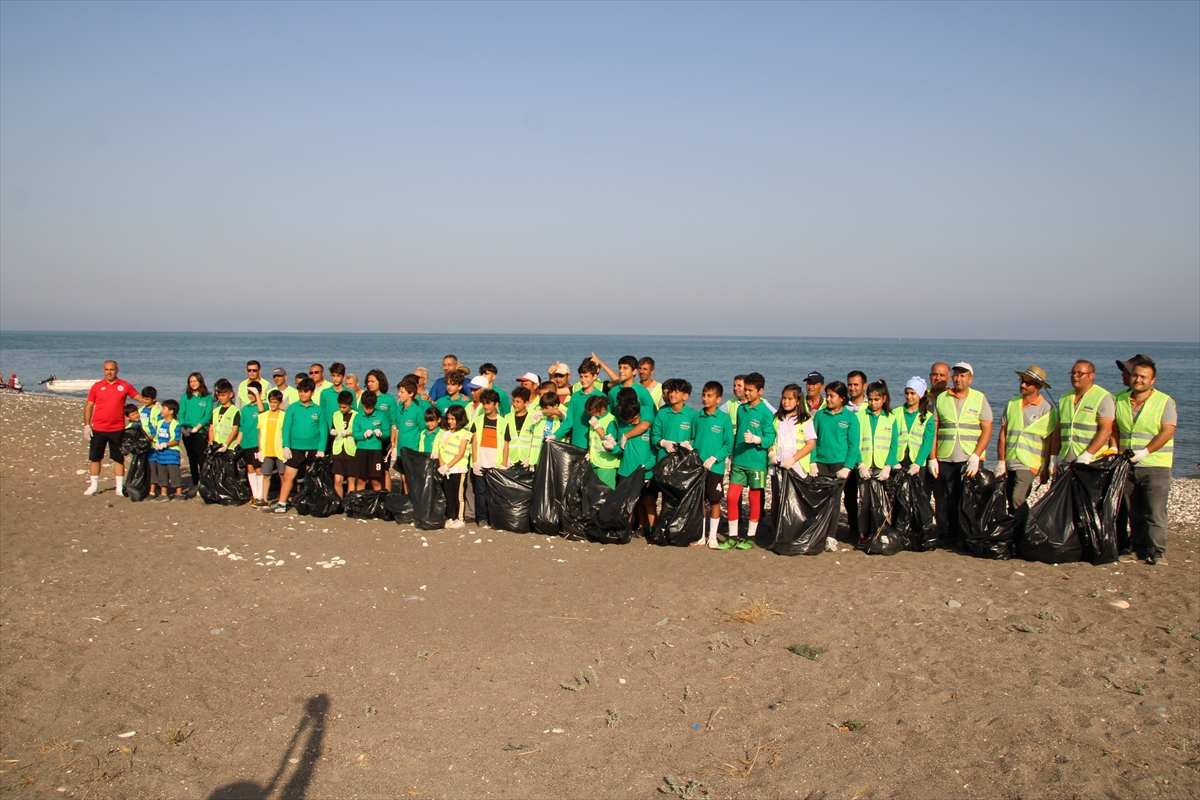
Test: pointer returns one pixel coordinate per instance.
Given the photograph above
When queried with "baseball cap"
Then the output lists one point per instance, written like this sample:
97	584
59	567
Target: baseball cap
814	377
530	376
479	382
279	371
964	366
560	369
1140	359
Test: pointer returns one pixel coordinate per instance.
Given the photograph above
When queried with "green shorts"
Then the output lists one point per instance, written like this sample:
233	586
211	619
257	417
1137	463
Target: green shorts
754	478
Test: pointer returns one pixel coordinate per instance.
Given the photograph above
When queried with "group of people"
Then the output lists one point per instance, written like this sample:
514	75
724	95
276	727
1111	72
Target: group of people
854	430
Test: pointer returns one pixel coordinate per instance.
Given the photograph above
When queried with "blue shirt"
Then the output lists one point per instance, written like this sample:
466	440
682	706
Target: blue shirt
166	431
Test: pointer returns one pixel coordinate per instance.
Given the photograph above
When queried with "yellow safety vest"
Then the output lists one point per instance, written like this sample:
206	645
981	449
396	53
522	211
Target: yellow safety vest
501	428
601	458
1026	445
1077	424
448	448
344	444
910	438
1136	434
433	437
874	446
803	461
222	424
952	428
656	394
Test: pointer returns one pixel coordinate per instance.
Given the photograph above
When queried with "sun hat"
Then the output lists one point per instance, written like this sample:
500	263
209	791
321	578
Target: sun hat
1036	374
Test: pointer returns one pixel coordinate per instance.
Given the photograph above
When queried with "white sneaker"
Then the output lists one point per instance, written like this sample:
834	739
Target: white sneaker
454	523
831	544
712	542
91	490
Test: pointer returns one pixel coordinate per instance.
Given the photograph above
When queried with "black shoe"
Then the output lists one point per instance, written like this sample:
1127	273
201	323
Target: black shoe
1152	558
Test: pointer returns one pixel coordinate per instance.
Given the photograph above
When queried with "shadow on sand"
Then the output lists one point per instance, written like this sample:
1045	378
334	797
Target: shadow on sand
296	787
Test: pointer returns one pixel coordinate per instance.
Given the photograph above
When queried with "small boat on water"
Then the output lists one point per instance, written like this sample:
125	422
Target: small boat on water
53	384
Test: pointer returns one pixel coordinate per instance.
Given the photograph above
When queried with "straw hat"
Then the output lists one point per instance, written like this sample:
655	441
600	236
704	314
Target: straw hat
1036	374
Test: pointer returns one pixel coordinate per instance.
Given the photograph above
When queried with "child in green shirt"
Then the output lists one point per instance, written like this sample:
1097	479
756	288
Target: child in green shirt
751	443
714	445
602	440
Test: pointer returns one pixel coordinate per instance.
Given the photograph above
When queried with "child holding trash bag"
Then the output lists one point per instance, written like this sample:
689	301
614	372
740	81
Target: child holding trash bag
489	448
795	434
249	439
346	466
431	435
635	448
453	454
226	420
714	445
371	428
837	450
914	427
877	445
603	453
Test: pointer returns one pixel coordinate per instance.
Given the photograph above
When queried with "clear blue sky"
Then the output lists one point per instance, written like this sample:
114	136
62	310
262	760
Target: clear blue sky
1003	170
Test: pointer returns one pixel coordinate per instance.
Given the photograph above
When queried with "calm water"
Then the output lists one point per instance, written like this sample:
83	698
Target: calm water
163	360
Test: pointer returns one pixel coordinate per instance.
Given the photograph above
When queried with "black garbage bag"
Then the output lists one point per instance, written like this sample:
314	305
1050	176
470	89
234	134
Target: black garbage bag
803	509
953	475
554	469
912	511
223	478
510	494
989	531
882	538
367	504
586	495
400	506
613	523
1076	520
680	476
316	496
136	446
424	489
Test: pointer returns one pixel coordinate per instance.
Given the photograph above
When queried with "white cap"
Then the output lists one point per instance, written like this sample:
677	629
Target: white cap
530	376
964	366
479	382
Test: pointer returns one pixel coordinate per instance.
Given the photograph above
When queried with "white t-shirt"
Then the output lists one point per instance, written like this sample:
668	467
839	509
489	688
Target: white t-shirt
785	440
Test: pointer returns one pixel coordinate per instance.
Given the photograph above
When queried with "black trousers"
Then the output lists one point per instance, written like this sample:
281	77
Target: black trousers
195	444
850	498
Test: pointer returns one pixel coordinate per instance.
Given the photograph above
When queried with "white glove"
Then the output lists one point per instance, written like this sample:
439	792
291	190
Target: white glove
320	454
708	462
594	422
932	463
1086	458
477	470
222	449
87	433
1053	465
914	469
536	417
750	438
287	454
864	472
159	445
1001	468
609	443
885	473
1139	454
973	465
788	462
334	432
813	471
774	456
443	471
686	445
667	445
843	473
258	455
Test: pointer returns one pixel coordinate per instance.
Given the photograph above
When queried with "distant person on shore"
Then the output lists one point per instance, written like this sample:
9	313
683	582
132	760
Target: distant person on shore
1025	446
104	424
195	412
964	420
253	373
814	389
1146	419
438	390
646	378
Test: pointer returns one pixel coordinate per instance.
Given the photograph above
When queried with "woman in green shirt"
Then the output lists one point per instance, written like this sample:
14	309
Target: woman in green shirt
837	444
195	411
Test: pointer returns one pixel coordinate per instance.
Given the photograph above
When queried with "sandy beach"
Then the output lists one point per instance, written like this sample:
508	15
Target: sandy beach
182	650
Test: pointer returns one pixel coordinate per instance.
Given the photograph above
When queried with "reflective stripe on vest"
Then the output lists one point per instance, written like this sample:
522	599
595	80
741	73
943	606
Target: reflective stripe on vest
477	434
800	442
965	430
344	443
600	457
1136	434
1077	424
656	395
909	445
874	446
222	424
1022	444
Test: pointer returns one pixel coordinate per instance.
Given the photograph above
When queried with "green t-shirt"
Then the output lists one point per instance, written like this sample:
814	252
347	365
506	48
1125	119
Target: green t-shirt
195	411
445	403
249	427
377	421
637	452
648	409
674	426
409	422
758	420
714	438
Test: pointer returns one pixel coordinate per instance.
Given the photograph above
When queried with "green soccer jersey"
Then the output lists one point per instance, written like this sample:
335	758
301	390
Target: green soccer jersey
757	420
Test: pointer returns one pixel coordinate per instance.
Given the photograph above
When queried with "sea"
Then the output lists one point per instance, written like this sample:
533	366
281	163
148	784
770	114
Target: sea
164	360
